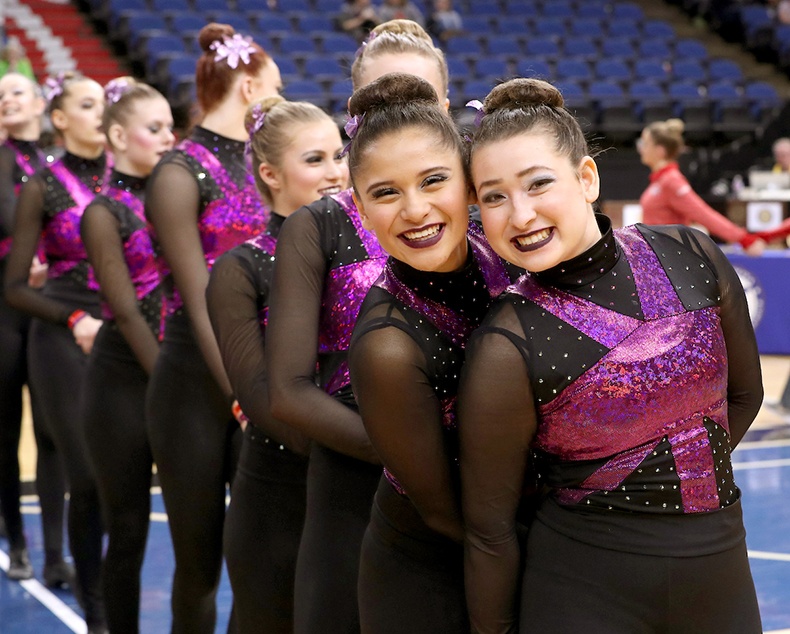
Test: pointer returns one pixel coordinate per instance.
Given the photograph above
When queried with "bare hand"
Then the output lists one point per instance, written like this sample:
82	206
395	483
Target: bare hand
756	248
84	332
38	273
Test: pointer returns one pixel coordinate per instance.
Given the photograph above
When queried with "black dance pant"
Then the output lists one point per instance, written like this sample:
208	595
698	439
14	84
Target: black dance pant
340	493
263	527
57	374
411	579
571	587
50	480
195	442
114	419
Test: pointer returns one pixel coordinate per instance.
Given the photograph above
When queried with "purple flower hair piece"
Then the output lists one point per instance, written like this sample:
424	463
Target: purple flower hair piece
233	50
477	105
351	128
115	89
258	118
371	36
53	86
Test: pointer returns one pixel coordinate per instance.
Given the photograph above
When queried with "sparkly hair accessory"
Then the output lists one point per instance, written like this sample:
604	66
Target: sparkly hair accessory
477	105
371	36
115	89
54	87
233	49
258	118
351	128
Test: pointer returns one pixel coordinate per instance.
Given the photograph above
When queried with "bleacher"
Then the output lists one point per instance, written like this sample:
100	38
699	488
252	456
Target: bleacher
617	68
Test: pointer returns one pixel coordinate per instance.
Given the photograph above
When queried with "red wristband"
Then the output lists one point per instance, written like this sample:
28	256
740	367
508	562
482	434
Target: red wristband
238	414
749	240
76	316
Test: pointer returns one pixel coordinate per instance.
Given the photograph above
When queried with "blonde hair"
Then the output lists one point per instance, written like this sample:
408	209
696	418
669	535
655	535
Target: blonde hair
669	135
118	108
282	121
395	37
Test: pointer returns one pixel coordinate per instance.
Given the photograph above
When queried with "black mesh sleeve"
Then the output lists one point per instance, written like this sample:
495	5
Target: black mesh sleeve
172	204
99	229
27	229
403	417
292	343
232	298
7	195
496	420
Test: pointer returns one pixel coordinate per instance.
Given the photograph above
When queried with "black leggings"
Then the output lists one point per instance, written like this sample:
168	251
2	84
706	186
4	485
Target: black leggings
572	587
50	480
263	527
411	579
57	374
114	407
339	498
195	442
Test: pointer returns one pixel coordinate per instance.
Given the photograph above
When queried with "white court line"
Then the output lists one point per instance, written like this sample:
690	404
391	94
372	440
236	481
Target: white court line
761	464
763	554
763	444
34	588
777	632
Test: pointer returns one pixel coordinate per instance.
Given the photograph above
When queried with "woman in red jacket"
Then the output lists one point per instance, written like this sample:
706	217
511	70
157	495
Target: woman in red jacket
670	199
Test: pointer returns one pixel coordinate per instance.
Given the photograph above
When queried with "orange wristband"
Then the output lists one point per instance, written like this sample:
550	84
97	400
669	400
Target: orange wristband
75	317
238	414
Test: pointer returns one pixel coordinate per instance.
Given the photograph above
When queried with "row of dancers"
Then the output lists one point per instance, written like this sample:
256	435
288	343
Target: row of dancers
429	421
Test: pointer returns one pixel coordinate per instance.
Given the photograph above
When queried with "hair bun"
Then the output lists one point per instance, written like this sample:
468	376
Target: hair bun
521	93
402	27
676	126
389	89
212	32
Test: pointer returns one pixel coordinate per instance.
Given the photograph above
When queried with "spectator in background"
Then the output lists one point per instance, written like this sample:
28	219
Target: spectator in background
357	18
781	152
13	59
401	10
445	22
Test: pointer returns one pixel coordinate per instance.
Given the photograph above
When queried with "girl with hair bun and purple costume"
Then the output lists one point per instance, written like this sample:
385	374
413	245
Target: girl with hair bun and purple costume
296	159
138	125
66	311
201	202
326	262
623	367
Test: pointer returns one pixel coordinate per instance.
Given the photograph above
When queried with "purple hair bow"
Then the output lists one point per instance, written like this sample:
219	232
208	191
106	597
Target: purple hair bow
53	87
477	105
351	128
233	49
115	89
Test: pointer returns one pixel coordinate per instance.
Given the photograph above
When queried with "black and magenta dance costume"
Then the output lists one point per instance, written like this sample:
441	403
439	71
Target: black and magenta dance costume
326	262
264	520
630	350
411	576
49	209
194	438
116	237
19	160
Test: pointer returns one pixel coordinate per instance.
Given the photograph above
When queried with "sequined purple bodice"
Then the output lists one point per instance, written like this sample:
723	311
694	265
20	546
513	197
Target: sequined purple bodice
344	290
138	250
60	236
265	243
27	168
663	380
235	217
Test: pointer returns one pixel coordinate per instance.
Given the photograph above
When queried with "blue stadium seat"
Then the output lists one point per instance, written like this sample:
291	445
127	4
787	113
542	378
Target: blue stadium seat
314	23
272	23
504	46
542	47
287	65
117	9
763	93
689	69
604	91
586	27
555	27
338	44
464	45
512	25
591	10
237	20
754	18
326	6
618	47
658	29
627	10
488	67
477	89
650	70
642	91
558	9
477	24
141	25
655	48
457	66
572	68
158	46
614	70
534	68
298	44
690	48
323	68
719	68
187	23
571	90
723	91
297	5
176	67
161	6
305	90
623	27
484	8
202	6
580	47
